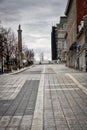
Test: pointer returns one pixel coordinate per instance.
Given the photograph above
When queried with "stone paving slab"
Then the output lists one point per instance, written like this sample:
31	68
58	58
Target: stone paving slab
54	103
15	112
84	89
38	113
65	103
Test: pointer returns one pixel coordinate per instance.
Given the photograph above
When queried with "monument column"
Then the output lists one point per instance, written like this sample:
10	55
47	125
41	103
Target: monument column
20	46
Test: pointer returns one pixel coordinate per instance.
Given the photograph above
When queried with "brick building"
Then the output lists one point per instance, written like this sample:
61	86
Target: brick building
81	6
75	11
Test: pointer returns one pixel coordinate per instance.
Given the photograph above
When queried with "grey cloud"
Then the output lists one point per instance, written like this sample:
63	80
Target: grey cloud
1	1
36	18
37	9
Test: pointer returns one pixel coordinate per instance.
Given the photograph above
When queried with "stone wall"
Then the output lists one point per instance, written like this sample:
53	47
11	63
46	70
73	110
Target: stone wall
71	25
71	33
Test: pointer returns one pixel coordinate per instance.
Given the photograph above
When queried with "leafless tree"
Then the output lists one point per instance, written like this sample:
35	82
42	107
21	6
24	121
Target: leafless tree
8	44
29	53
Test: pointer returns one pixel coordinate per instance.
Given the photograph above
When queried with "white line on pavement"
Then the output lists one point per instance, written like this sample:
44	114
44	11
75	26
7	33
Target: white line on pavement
65	89
37	123
84	83
77	83
72	84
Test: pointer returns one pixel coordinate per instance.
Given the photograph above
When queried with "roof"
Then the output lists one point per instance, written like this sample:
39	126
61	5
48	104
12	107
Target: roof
54	29
63	20
68	6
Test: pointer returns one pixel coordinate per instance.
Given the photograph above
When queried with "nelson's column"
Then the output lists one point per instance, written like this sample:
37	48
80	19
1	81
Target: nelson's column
20	46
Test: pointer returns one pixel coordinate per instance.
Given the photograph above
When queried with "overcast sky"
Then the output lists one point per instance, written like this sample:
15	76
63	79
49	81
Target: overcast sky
36	18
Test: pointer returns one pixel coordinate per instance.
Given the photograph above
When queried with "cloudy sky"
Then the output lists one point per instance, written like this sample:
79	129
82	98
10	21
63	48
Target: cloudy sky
36	18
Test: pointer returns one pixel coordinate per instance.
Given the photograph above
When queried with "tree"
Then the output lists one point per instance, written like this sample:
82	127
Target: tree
2	42
29	53
1	51
8	45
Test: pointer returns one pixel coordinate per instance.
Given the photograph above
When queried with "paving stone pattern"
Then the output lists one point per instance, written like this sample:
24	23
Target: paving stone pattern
18	113
58	104
65	105
81	79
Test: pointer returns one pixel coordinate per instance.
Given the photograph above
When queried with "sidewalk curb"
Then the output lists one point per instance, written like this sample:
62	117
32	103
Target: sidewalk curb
19	71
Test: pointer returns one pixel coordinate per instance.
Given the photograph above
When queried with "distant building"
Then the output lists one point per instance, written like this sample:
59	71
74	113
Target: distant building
41	57
61	42
75	36
54	43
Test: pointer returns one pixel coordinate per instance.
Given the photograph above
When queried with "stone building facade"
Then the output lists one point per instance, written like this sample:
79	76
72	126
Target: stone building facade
61	42
82	42
71	31
75	11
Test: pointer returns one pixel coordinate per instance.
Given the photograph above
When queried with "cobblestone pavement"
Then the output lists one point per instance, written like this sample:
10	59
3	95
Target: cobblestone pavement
46	97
